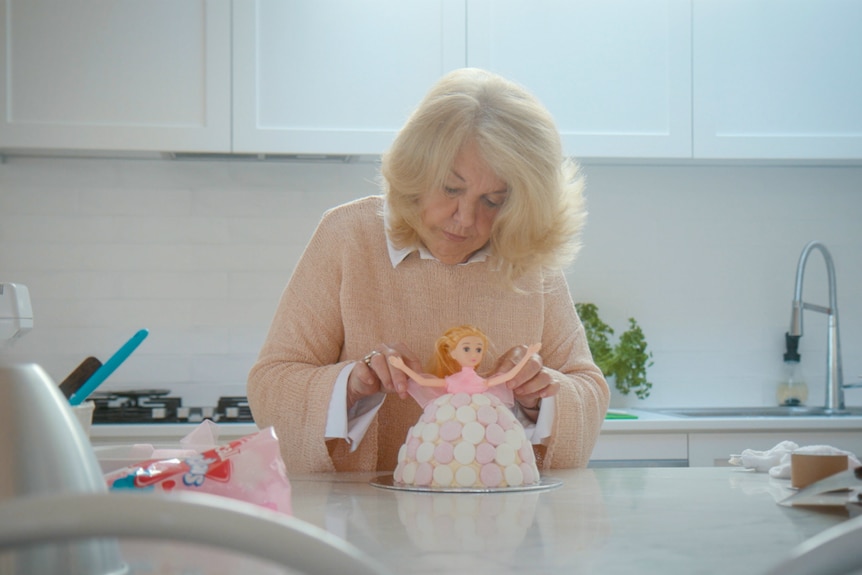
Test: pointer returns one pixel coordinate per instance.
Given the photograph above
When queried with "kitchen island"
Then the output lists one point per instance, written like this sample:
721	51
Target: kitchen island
672	521
609	521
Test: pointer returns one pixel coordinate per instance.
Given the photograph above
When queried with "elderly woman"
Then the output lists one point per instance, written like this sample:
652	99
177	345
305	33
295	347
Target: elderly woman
480	213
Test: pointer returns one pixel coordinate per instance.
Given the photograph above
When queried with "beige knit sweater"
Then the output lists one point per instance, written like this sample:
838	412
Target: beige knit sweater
345	298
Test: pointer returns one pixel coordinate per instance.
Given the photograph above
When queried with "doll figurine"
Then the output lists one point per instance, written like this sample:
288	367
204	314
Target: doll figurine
457	354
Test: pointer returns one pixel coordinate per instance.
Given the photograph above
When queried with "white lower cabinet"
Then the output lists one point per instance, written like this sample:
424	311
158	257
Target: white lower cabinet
640	450
714	449
706	449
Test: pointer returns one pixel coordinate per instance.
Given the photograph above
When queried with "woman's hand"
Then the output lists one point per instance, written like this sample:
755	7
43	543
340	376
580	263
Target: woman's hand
374	374
533	382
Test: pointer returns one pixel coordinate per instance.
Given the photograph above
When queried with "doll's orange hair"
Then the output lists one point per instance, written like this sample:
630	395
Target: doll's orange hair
444	364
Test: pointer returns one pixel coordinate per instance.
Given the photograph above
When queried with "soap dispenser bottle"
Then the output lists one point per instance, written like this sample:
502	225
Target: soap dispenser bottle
792	389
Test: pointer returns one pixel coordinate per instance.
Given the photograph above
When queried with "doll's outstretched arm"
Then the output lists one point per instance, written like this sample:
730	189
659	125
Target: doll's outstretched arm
425	380
504	377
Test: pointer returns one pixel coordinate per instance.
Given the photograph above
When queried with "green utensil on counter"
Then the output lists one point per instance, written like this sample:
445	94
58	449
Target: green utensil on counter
620	415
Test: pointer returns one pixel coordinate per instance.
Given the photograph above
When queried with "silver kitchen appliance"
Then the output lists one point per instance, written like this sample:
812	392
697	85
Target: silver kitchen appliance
46	453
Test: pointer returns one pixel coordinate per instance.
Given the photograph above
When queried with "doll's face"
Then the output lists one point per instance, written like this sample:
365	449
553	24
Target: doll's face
469	351
456	220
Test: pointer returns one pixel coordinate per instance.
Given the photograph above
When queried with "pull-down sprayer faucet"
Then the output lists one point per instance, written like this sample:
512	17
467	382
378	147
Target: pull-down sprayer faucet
834	376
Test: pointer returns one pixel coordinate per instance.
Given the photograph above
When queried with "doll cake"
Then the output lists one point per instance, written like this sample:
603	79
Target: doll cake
466	441
466	436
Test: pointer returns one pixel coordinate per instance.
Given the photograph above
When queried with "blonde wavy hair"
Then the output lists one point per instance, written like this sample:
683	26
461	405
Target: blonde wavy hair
540	223
443	364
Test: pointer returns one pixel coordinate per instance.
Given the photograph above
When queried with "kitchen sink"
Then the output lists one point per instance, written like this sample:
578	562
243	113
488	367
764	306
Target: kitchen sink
769	411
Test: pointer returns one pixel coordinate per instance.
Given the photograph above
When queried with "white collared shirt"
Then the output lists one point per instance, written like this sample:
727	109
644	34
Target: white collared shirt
398	255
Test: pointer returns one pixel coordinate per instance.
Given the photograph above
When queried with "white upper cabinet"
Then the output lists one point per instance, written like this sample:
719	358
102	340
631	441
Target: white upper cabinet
777	79
115	75
616	74
336	76
704	79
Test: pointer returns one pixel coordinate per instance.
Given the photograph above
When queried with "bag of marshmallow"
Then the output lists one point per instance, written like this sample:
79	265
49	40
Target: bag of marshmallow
249	469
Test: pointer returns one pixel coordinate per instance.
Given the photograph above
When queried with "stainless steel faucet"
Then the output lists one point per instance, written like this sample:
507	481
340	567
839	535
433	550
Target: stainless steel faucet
834	375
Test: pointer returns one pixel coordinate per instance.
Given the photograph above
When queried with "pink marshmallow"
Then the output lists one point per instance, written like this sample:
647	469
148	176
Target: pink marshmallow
486	415
451	430
495	434
412	445
491	475
424	473
443	453
485	453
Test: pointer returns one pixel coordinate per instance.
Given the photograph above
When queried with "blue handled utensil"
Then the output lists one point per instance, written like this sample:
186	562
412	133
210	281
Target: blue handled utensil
108	367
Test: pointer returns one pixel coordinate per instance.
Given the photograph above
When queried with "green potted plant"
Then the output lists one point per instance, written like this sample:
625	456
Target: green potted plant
627	361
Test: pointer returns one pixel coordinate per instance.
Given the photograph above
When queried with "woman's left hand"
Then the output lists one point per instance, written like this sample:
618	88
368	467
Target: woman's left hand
533	382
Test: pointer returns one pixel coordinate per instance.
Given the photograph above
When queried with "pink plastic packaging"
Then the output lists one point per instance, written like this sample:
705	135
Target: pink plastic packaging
249	469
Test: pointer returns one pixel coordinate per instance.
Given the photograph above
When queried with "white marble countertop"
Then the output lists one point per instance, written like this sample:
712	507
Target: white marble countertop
609	521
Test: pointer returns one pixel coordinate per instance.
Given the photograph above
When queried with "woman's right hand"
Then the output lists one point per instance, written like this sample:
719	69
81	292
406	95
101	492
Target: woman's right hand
374	374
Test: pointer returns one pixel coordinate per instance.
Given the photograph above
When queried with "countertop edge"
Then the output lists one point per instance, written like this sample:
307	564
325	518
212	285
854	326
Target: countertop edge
652	422
647	422
107	431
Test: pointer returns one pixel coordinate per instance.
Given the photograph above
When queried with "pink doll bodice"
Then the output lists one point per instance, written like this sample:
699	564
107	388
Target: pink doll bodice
466	381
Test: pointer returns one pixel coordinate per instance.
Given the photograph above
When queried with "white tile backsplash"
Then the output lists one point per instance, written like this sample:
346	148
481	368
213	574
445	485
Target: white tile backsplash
199	252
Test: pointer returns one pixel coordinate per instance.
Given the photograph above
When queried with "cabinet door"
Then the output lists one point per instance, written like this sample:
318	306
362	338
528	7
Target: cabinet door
777	79
715	449
336	76
640	450
615	74
115	75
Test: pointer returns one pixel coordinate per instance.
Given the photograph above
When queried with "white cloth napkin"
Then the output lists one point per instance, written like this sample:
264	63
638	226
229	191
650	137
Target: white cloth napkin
776	461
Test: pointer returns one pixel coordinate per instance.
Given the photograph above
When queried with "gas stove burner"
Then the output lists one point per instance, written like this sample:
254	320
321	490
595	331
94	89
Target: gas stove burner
136	406
234	409
157	406
131	394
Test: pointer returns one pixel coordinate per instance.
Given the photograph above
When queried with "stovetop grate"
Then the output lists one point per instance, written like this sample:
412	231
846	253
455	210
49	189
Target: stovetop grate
157	406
